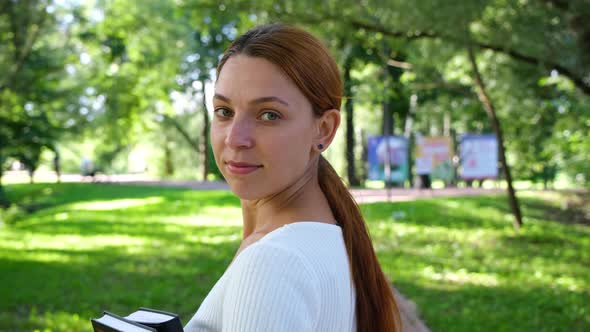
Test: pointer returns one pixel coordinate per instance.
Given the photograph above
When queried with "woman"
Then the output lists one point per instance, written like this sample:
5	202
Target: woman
306	262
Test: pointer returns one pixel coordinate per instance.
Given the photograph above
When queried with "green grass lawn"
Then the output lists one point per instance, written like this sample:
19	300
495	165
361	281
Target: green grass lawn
84	248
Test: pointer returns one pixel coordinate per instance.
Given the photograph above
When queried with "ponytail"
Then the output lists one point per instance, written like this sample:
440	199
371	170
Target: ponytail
376	309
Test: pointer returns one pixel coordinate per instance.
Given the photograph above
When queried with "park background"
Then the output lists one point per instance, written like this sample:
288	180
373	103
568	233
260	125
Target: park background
127	84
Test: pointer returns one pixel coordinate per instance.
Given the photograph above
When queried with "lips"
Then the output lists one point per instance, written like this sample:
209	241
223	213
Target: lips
241	168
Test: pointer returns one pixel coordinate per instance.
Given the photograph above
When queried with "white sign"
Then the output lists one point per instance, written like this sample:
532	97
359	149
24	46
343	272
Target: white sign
479	157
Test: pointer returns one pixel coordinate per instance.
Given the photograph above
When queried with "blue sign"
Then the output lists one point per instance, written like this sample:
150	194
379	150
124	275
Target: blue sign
388	155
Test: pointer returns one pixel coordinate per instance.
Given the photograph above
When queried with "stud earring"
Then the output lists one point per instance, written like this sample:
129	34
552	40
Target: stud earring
320	146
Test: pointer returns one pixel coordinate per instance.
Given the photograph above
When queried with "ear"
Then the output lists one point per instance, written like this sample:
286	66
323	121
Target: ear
326	127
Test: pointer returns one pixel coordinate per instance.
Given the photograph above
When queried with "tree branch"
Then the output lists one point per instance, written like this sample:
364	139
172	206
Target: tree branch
399	64
574	77
577	80
193	143
403	34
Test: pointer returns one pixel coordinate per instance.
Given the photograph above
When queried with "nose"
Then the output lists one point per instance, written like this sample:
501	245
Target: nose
240	134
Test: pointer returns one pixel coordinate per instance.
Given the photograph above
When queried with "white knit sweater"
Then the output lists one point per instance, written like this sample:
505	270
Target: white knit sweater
295	278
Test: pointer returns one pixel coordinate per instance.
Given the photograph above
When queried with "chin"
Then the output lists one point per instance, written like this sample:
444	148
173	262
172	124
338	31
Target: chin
246	192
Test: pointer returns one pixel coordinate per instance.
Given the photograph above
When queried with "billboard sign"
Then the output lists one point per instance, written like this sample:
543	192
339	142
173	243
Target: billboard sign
479	157
382	149
434	156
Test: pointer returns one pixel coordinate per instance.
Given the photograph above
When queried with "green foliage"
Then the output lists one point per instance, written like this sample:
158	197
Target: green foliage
105	71
32	94
120	247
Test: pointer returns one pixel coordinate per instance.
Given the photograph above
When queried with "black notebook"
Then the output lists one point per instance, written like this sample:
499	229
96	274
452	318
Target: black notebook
142	320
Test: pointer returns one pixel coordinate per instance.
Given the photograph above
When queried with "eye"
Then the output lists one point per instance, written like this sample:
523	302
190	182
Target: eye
270	116
223	112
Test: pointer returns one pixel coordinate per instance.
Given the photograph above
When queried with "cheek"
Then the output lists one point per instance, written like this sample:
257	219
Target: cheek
217	138
290	151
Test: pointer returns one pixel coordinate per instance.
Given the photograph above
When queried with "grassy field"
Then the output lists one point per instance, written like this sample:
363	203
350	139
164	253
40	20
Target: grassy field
77	249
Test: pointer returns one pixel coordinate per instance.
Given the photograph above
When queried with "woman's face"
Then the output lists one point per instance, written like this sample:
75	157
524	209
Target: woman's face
263	128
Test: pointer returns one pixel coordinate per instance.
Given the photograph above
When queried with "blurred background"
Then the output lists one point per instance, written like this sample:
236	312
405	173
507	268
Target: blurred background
465	134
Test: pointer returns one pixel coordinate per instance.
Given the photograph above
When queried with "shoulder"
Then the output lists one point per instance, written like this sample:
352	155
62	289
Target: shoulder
270	288
313	249
272	259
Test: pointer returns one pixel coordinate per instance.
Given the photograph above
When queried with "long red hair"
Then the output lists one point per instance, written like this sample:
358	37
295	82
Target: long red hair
309	64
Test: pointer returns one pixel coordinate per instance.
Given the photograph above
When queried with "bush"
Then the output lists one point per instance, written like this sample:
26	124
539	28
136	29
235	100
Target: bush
11	215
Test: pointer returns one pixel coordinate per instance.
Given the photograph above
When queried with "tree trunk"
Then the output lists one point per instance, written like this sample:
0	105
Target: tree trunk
205	135
409	123
364	157
454	151
193	143
350	139
545	184
491	111
388	83
56	165
387	125
4	201
408	127
168	164
387	128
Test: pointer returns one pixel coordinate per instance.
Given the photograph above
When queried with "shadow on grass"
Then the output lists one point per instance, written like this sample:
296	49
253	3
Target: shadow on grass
478	308
454	213
566	214
86	282
566	211
468	269
492	291
474	212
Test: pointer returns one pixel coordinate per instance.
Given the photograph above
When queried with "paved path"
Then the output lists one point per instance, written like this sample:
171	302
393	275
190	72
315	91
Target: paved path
360	195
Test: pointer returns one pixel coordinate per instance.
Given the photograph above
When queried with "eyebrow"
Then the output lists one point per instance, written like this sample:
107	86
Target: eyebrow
254	101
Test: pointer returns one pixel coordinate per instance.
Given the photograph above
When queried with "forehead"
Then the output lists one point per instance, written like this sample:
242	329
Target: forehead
245	78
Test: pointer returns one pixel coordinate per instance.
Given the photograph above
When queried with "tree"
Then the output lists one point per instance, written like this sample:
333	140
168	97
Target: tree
212	33
132	59
32	59
491	111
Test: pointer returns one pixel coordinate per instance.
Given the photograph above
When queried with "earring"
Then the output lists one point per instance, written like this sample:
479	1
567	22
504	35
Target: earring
320	146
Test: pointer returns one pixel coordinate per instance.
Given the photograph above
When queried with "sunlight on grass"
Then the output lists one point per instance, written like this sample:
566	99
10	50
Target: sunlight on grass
461	277
208	216
115	204
196	220
62	248
56	321
569	283
70	242
217	239
451	204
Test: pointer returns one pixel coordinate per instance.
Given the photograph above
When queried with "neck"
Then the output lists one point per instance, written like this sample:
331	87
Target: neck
301	201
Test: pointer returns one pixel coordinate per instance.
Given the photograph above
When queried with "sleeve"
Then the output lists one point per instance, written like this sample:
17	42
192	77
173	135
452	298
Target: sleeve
270	289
